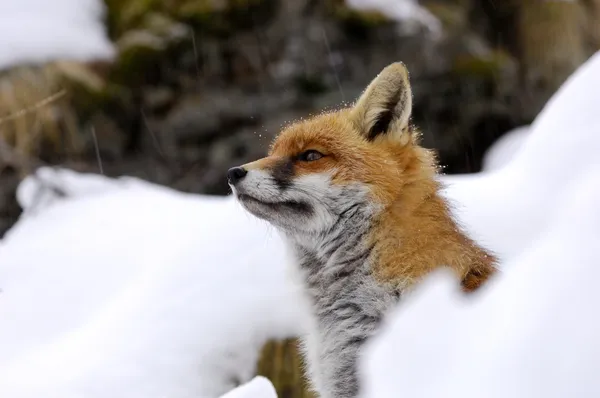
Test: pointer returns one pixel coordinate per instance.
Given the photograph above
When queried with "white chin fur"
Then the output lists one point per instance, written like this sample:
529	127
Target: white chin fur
325	200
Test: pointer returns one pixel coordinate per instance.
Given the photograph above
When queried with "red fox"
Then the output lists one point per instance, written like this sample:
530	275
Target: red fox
357	200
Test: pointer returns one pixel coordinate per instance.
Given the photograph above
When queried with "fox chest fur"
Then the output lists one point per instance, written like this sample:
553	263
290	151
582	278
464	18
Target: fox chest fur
345	302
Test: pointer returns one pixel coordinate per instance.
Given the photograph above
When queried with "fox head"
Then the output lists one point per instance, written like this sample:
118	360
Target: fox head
357	160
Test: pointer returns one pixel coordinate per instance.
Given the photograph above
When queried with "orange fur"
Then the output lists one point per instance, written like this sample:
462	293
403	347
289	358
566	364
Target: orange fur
414	233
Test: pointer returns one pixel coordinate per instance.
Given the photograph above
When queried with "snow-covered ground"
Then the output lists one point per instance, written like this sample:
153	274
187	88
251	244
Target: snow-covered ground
532	333
126	289
258	387
34	31
505	148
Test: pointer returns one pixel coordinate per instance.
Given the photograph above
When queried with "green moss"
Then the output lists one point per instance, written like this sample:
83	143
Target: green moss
482	67
165	27
89	90
202	14
367	19
226	17
356	23
448	13
138	50
86	87
245	14
124	15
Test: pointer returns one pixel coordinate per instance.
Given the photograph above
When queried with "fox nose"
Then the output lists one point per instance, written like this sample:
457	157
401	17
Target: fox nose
235	174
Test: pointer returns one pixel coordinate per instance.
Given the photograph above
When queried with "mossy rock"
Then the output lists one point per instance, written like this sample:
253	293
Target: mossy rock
487	67
225	17
311	85
282	363
450	14
204	15
356	23
87	89
124	15
141	50
138	51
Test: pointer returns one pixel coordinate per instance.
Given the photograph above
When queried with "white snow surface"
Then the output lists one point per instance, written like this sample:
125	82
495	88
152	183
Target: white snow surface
407	12
533	330
37	31
135	290
258	387
504	149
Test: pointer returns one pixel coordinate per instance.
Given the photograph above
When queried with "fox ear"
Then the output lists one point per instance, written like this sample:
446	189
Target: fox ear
386	104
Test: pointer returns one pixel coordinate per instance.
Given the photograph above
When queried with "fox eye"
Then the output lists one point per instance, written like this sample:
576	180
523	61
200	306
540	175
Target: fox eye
310	155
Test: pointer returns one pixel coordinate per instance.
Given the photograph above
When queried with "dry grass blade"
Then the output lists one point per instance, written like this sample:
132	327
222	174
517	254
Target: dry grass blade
46	101
11	156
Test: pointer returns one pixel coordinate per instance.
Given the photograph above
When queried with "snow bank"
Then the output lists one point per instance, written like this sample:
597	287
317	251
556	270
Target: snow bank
507	208
533	331
136	291
41	30
505	148
258	387
405	11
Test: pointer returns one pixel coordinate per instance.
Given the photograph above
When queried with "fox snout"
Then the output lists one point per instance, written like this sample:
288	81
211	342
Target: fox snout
236	174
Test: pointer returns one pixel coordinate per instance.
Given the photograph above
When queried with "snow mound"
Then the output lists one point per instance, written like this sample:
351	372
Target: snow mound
505	148
50	184
533	332
133	290
259	387
37	31
506	208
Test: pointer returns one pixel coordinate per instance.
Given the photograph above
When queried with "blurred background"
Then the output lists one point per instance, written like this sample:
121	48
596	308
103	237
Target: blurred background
191	87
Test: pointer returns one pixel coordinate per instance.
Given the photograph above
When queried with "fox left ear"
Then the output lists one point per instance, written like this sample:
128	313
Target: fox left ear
386	104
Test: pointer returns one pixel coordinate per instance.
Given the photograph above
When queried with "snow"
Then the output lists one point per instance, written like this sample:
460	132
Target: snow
506	208
258	387
505	148
533	330
134	290
532	333
37	31
406	12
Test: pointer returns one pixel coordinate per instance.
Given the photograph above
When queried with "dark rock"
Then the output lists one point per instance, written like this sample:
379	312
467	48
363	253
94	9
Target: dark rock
9	207
104	138
158	99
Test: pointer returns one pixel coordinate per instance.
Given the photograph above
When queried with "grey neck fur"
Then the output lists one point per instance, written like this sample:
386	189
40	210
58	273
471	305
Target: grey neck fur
345	301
